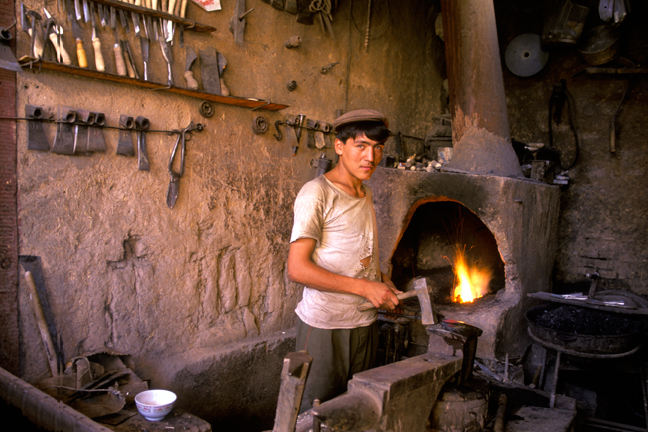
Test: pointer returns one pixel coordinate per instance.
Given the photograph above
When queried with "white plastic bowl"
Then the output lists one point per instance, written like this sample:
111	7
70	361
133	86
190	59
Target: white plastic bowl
155	404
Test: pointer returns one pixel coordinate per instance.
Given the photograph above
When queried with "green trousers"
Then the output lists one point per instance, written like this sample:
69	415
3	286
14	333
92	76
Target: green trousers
337	355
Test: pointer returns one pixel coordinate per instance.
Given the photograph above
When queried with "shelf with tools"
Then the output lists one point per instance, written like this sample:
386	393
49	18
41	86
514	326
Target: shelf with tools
89	73
186	23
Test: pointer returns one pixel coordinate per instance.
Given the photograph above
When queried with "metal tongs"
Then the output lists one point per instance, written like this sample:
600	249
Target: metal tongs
174	185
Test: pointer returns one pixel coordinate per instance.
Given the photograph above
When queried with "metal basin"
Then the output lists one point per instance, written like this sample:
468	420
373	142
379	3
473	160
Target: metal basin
611	333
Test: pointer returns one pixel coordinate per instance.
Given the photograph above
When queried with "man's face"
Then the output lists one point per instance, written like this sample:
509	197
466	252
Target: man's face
360	156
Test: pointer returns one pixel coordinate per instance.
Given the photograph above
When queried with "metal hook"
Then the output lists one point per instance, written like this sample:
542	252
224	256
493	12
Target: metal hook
278	135
244	14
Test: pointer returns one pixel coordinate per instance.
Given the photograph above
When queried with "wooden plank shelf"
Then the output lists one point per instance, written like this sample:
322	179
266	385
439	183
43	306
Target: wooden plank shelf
187	23
89	73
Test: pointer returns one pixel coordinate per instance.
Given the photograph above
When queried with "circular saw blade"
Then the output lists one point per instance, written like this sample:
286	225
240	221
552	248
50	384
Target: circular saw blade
524	56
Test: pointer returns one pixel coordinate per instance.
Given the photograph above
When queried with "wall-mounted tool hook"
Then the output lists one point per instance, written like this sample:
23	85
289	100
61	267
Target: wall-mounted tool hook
237	23
125	144
142	124
328	67
36	138
278	135
245	13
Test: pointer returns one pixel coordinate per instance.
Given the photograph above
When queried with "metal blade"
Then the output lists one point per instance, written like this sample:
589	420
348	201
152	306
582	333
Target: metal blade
102	15
169	31
86	11
113	22
144	45
172	192
93	20
77	10
191	57
136	23
168	57
70	11
8	60
24	21
181	36
76	30
146	26
222	62
124	21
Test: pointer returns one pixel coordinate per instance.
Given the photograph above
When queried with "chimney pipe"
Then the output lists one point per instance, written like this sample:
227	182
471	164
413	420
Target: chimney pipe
480	128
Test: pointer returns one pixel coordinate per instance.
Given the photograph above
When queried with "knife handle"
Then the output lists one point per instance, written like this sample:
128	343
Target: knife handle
61	54
138	2
119	60
191	81
224	89
171	6
129	67
154	4
38	44
183	8
99	60
81	54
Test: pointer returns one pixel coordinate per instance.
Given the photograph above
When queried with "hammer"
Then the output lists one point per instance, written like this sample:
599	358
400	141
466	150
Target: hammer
423	292
28	20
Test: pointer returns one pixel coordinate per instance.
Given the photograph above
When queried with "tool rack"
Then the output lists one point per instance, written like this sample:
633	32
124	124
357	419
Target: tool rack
89	73
252	103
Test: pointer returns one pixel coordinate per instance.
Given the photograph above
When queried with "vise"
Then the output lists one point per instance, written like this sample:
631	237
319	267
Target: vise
399	397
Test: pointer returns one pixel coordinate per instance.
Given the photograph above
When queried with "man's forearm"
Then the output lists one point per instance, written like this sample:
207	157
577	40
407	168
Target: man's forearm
303	270
314	276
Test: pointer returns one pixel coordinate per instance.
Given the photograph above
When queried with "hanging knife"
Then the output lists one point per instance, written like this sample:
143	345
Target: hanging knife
76	33
77	10
102	15
96	42
222	62
119	56
124	21
130	60
168	57
86	11
154	6
174	183
56	36
136	21
144	45
189	76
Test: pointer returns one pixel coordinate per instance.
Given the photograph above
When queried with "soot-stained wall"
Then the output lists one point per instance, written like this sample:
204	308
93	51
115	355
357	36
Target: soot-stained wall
604	215
124	271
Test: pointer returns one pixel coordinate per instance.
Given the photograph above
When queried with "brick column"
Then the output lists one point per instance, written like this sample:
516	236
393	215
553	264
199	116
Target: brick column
9	347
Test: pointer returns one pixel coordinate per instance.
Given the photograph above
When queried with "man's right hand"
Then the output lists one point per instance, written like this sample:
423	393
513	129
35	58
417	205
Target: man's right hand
380	295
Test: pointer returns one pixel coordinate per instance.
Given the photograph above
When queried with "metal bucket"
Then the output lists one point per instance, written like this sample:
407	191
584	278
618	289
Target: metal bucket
603	343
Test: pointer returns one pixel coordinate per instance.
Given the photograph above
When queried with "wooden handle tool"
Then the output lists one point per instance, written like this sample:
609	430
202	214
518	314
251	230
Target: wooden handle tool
61	52
119	60
81	54
50	351
368	305
99	60
38	45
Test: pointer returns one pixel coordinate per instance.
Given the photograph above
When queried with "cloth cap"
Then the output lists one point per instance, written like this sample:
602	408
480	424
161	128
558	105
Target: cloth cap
360	116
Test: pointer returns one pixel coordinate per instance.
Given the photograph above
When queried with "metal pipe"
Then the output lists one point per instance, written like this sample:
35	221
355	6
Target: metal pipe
480	127
42	409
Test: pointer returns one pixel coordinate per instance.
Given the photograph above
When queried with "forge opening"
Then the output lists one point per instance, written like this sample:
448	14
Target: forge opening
437	234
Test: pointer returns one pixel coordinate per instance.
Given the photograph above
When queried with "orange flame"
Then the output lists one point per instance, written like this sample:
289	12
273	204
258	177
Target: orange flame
471	282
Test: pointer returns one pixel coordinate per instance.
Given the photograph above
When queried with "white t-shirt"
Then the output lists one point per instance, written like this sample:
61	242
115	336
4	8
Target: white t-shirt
344	228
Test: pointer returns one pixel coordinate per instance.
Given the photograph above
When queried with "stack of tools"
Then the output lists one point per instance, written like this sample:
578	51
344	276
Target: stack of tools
81	16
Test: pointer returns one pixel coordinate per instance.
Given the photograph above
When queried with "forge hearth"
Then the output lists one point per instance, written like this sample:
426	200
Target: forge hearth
438	234
511	223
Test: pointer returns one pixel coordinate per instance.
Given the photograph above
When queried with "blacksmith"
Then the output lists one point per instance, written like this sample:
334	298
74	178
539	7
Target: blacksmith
334	254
